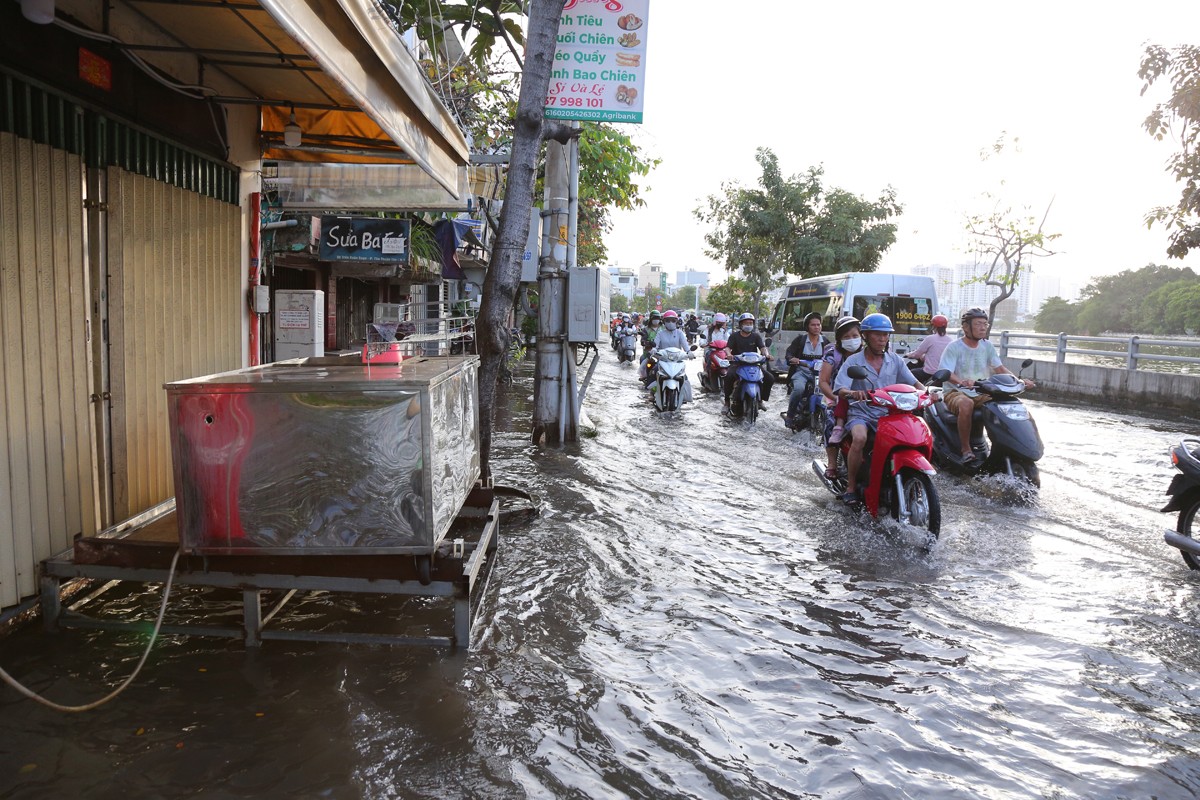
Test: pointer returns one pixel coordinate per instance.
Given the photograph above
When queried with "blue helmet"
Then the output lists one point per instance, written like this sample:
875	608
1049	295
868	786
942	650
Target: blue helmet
877	322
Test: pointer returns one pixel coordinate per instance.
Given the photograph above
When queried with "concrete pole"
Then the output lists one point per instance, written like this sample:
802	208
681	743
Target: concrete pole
550	373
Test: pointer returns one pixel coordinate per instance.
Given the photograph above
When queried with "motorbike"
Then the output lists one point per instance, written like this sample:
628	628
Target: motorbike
748	369
812	412
715	366
896	476
1004	436
670	388
626	346
1185	498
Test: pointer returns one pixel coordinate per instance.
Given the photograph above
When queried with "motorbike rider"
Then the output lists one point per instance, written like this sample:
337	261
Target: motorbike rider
847	340
717	329
747	340
691	327
650	334
803	350
884	368
971	359
670	335
929	353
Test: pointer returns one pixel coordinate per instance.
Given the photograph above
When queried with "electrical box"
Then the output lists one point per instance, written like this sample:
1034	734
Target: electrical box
299	324
262	299
588	300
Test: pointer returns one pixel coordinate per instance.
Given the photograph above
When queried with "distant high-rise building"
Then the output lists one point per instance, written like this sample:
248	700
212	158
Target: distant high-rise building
624	281
691	277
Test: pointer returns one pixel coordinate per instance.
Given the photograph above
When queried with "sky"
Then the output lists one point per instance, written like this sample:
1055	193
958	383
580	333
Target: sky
908	95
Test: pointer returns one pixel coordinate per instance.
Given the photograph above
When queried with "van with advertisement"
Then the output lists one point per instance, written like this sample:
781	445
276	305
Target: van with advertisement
910	301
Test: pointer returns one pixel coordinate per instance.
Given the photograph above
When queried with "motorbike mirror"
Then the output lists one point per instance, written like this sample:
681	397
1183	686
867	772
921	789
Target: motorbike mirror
941	376
857	372
695	347
1027	363
769	341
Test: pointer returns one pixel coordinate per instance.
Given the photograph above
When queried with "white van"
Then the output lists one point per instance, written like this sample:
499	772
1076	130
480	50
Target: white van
910	301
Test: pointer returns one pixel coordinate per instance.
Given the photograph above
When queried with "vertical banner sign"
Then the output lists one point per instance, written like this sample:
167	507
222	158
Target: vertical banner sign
600	64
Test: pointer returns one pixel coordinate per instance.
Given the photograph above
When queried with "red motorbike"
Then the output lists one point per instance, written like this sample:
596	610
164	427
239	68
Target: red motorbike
896	473
715	366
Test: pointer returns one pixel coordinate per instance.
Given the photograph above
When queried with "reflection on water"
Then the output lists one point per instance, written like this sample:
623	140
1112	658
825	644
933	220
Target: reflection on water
692	615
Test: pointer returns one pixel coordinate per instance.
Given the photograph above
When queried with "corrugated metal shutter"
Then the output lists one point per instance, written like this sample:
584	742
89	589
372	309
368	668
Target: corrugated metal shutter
46	442
174	305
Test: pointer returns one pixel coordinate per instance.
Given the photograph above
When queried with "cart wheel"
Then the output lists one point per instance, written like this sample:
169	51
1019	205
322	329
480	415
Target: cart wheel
424	569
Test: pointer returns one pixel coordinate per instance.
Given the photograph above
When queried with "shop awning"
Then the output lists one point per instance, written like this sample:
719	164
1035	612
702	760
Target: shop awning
358	94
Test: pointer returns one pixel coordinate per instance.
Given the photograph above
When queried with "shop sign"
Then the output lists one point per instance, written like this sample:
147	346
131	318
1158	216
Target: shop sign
599	71
383	241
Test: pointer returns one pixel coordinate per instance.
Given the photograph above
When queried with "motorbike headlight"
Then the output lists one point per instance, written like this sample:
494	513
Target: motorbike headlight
905	401
1013	410
722	362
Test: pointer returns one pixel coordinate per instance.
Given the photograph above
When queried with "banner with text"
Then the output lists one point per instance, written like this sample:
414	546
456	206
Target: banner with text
600	64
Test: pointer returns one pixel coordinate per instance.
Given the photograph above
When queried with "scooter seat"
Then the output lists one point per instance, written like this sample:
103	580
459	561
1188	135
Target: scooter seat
943	411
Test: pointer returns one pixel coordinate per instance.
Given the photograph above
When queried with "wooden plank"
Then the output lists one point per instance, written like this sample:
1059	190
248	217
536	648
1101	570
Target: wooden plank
33	419
14	514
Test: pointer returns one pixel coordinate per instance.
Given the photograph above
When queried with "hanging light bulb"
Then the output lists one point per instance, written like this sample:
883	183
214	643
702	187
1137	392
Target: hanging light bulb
291	131
38	11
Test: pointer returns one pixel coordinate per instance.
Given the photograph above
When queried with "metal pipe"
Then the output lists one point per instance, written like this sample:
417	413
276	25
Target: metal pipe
283	223
573	202
255	256
1181	542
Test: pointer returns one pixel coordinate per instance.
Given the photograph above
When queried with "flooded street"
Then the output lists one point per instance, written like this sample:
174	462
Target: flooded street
692	615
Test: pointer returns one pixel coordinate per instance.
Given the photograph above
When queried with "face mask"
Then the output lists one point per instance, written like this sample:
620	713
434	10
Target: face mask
851	345
748	328
653	323
670	326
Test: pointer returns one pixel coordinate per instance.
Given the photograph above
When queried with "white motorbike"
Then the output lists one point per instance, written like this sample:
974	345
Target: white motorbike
670	388
626	347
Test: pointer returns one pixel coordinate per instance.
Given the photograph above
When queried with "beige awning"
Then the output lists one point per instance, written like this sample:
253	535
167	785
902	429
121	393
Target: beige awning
358	94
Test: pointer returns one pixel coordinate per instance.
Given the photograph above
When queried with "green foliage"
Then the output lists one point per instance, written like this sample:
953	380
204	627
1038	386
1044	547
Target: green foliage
1179	118
619	303
733	296
490	23
795	226
609	162
1056	316
1129	302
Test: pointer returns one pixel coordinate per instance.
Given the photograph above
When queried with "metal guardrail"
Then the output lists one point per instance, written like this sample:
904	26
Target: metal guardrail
1131	351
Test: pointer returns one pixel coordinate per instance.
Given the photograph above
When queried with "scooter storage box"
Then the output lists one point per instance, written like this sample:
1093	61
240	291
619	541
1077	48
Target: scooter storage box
324	455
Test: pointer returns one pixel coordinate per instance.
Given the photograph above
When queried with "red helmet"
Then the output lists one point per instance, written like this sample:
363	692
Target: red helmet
669	315
940	321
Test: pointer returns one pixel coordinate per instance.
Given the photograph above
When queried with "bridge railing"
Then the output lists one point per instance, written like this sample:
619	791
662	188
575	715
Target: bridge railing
1130	347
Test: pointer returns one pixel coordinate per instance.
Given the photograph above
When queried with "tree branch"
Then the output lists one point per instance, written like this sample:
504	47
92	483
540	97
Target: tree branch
512	47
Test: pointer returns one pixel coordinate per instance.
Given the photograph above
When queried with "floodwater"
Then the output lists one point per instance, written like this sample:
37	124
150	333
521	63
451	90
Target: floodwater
691	616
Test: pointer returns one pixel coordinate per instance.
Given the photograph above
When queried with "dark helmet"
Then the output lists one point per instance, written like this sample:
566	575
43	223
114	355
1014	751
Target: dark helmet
975	312
877	322
655	315
940	321
843	325
810	316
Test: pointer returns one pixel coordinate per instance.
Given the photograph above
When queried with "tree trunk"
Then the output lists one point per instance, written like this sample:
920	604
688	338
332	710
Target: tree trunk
504	272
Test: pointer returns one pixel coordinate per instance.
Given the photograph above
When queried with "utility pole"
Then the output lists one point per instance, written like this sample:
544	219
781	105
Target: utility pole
550	386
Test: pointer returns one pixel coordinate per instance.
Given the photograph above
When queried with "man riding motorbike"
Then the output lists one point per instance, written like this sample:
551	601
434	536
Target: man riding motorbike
744	341
884	368
649	334
929	353
970	359
717	329
803	351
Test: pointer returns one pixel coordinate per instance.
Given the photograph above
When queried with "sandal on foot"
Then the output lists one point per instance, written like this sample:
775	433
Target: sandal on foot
831	473
851	498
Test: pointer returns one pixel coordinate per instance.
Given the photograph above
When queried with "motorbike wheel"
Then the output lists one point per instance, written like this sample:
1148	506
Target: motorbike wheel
921	499
670	400
1189	526
749	409
816	424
